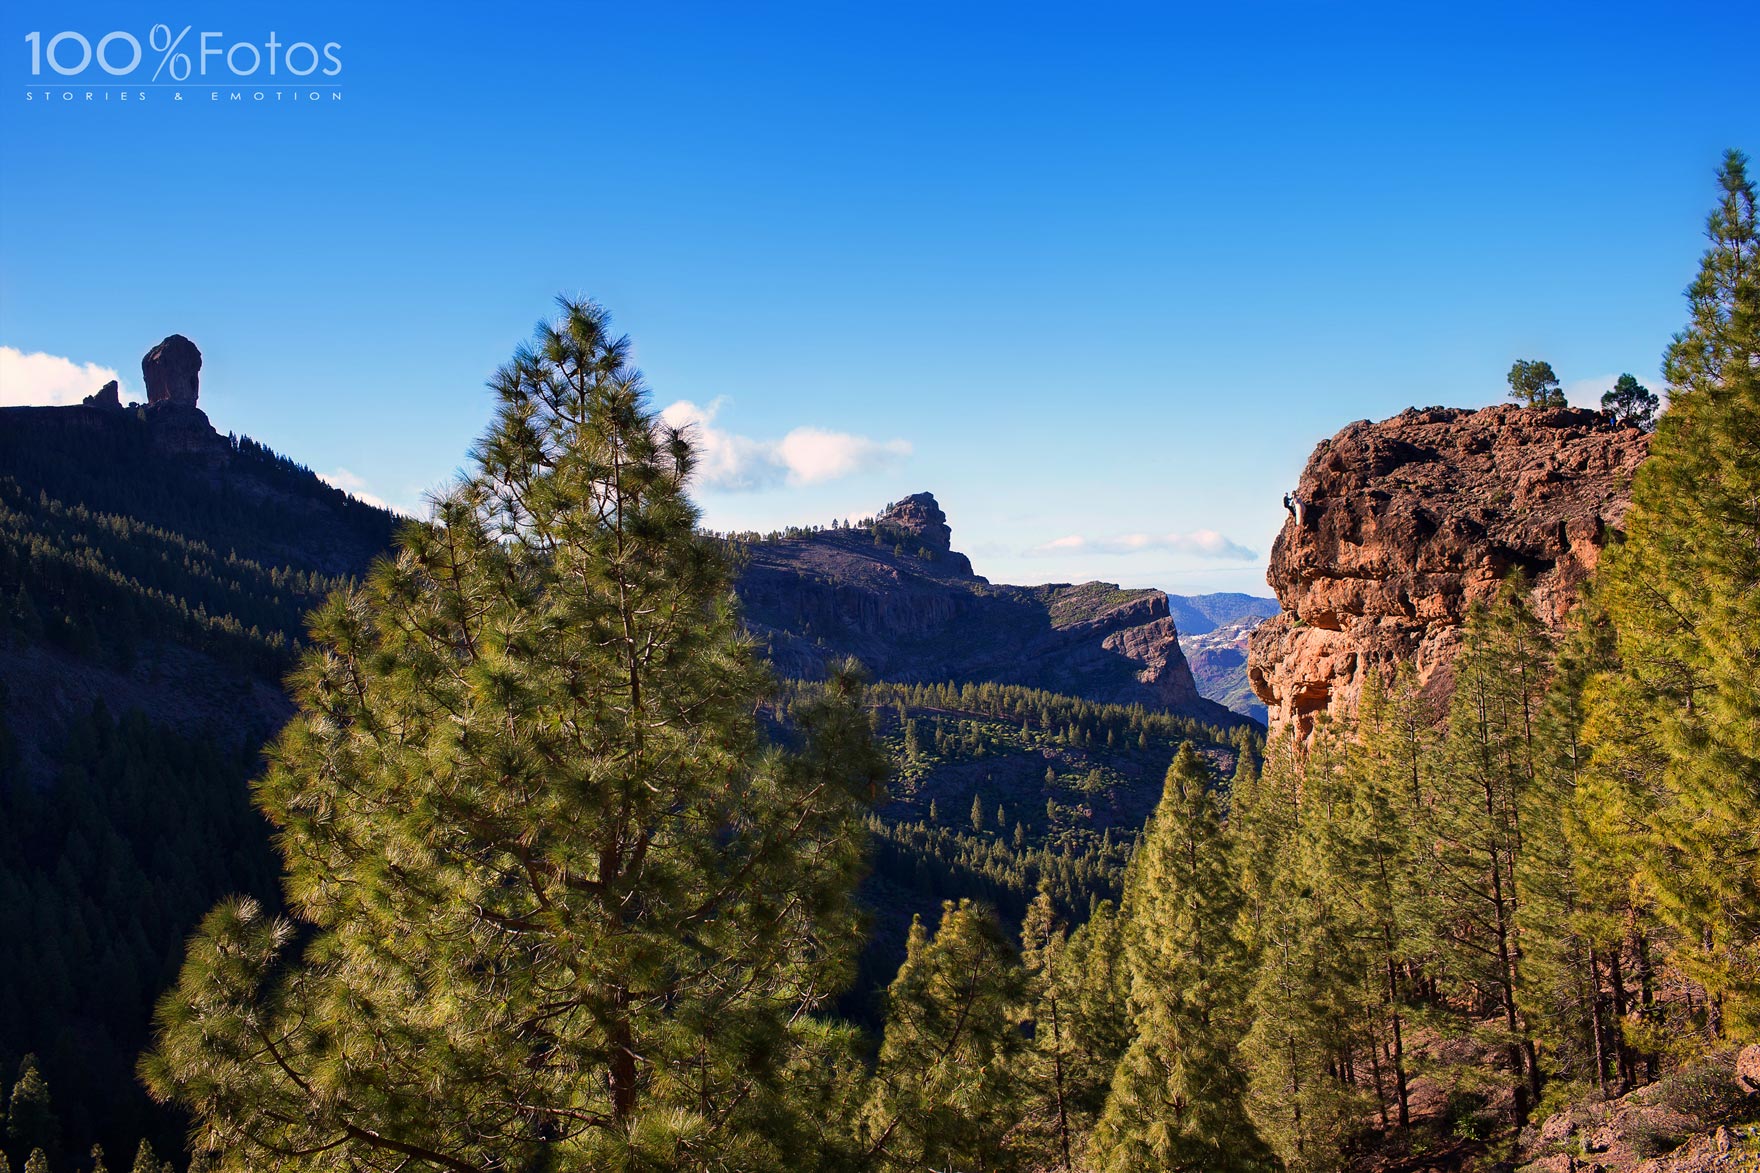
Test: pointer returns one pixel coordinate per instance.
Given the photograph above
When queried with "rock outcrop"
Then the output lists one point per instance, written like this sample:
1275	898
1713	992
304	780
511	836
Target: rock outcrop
918	521
901	600
172	372
1408	522
109	396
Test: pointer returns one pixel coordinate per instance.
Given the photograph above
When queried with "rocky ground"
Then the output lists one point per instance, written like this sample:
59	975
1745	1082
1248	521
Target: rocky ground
1704	1118
1701	1118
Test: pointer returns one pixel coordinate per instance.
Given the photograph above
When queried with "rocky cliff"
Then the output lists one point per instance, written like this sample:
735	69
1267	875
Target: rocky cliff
901	600
1406	523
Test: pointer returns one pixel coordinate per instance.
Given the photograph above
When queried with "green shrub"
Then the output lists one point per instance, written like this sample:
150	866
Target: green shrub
1706	1092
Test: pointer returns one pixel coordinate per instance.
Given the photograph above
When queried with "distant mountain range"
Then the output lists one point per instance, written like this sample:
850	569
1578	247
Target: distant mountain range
1213	631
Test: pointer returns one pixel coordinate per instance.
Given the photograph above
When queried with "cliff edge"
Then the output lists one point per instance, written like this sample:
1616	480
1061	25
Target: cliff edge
1406	523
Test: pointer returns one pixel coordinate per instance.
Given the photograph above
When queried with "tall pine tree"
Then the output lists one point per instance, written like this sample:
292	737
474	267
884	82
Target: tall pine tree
556	902
947	1089
1488	763
1178	1098
1051	1120
1304	997
1684	593
1094	976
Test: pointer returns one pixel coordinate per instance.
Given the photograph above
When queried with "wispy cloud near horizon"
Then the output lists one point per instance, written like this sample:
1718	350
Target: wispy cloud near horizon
358	487
1202	543
805	456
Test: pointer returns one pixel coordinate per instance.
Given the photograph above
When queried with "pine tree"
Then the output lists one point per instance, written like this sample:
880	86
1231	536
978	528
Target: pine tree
1305	999
1611	830
1488	763
37	1162
1684	594
1051	1059
1299	1106
147	1161
30	1119
562	905
1177	1100
1574	898
946	1092
1629	401
1533	382
1376	856
1095	979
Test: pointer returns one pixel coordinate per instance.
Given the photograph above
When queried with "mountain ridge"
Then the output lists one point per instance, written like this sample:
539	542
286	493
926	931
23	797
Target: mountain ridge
894	594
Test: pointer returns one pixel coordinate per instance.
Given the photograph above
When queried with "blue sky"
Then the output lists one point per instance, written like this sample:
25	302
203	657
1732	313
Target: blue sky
1097	276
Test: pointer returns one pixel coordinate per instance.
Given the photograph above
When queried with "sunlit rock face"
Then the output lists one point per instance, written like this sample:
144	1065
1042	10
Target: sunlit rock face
1408	522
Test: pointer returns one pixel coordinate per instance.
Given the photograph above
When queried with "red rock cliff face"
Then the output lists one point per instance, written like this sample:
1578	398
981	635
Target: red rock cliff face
1410	521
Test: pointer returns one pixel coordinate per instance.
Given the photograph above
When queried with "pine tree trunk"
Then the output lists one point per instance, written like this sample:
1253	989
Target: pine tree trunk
1596	1026
1628	1074
1647	999
1518	1055
1057	1075
1399	1047
1380	1086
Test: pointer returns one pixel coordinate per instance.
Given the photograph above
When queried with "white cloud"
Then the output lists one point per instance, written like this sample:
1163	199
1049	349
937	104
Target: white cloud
1201	543
805	456
356	487
1587	392
48	380
812	455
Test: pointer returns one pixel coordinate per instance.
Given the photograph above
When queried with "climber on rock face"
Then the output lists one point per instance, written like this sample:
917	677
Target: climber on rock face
1297	509
1288	506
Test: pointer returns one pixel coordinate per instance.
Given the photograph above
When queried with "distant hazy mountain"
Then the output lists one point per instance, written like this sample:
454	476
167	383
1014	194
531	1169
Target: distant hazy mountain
1199	614
1213	631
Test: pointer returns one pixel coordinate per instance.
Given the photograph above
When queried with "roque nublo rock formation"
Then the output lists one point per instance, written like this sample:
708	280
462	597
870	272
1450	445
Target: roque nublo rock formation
172	372
1410	521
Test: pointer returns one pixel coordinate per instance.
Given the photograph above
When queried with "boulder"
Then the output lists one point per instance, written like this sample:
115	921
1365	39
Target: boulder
1748	1069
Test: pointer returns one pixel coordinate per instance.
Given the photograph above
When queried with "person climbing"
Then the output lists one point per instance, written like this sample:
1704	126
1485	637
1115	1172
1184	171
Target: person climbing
1288	506
1297	509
